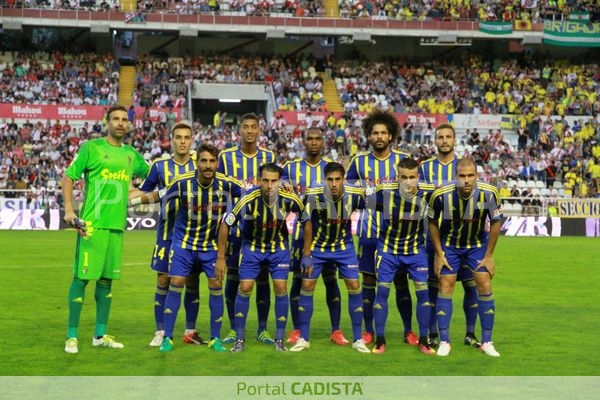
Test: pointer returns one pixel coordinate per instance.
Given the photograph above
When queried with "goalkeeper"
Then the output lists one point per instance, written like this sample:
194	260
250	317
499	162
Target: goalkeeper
107	167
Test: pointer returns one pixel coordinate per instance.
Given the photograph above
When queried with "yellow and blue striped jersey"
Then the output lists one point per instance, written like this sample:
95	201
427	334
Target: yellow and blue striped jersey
436	172
162	172
302	175
463	221
234	163
201	209
404	218
263	226
366	170
332	220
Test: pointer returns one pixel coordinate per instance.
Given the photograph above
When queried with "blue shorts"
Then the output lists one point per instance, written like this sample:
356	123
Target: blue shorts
464	273
251	263
345	261
463	259
366	255
390	264
234	246
160	257
185	262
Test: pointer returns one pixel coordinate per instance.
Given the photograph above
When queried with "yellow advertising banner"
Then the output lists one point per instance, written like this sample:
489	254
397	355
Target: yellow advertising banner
578	208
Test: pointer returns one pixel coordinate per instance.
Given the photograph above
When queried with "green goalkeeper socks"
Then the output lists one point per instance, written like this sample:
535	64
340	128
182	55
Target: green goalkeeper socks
103	297
76	297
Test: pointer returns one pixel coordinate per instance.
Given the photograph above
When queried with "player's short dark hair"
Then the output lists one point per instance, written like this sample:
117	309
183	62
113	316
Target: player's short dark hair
334	167
407	163
312	128
381	117
270	167
444	126
209	148
249	116
116	107
182	125
464	162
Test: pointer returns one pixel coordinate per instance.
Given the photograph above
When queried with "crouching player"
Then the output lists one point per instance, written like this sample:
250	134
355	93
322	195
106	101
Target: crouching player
464	208
203	197
401	247
262	214
328	241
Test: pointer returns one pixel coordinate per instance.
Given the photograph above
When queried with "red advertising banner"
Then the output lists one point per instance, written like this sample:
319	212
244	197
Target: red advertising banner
71	113
299	117
49	111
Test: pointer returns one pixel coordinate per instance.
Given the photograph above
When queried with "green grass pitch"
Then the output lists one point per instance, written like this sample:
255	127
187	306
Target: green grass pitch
547	317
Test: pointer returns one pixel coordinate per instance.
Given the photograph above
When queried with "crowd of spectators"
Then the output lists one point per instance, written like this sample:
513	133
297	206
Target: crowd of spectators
56	78
423	10
164	82
525	87
33	156
454	10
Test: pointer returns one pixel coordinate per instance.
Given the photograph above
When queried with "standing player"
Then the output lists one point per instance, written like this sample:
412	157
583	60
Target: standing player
401	246
301	175
262	214
440	171
162	172
203	200
458	215
328	213
107	166
242	162
369	169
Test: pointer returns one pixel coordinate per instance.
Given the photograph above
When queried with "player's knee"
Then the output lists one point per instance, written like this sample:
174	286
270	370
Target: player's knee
214	284
352	284
369	280
246	287
177	281
162	280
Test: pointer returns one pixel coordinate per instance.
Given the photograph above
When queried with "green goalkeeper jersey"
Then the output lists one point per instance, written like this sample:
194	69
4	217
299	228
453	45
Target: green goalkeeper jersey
107	172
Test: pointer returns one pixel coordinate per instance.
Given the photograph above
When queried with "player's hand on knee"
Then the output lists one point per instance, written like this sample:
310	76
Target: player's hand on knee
439	264
307	265
220	270
489	264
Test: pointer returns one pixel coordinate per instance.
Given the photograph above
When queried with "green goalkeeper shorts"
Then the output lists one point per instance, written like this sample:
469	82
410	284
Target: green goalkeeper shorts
99	256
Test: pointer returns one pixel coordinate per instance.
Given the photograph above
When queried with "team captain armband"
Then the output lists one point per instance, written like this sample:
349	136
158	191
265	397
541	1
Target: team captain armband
229	219
497	212
431	213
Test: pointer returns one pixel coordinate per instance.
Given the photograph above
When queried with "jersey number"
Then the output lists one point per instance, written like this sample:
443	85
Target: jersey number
159	252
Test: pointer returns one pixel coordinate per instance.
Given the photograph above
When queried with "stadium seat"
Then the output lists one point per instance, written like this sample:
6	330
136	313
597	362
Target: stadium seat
561	192
521	184
512	183
558	185
544	192
535	191
540	184
517	209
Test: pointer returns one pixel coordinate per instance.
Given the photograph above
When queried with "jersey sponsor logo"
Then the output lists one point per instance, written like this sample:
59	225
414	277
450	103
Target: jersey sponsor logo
121	175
